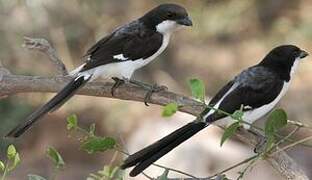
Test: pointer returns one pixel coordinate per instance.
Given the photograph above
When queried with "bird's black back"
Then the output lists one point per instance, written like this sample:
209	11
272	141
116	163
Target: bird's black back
253	88
134	41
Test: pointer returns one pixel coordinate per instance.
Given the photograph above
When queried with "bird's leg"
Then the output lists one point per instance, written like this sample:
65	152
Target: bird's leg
150	89
261	141
117	83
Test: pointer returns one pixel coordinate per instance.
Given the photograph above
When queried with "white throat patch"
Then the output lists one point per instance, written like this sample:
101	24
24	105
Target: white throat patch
294	67
167	26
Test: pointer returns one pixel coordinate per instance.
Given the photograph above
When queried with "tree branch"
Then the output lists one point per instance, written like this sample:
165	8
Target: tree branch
44	46
13	84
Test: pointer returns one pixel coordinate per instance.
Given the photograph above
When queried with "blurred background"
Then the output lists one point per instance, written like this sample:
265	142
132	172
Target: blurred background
227	36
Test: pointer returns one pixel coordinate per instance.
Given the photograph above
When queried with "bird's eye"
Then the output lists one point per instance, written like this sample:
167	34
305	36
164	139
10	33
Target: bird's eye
170	14
296	52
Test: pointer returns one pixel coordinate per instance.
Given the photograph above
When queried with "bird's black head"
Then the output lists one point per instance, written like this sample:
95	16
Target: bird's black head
166	18
284	59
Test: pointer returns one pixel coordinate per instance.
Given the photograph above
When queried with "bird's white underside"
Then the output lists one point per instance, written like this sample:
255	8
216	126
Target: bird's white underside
253	115
167	26
126	68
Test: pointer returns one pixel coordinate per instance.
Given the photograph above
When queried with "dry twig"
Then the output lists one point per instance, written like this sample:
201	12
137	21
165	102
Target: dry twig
44	46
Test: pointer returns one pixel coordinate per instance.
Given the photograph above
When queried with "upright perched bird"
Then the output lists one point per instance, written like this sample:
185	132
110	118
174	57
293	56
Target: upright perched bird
119	54
258	88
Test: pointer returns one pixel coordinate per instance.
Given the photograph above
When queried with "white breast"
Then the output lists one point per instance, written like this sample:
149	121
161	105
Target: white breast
253	115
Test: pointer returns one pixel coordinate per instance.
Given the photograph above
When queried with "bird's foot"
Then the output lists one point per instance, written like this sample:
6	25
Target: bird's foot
261	141
118	82
150	89
261	145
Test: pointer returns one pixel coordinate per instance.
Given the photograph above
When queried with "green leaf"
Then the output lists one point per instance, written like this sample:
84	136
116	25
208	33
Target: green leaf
55	157
276	121
98	144
16	161
198	89
108	172
170	109
224	178
2	166
11	152
229	132
72	122
117	173
164	176
269	143
238	115
92	129
35	177
221	177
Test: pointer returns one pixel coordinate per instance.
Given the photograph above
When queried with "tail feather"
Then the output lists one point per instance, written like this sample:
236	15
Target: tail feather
57	101
144	158
153	148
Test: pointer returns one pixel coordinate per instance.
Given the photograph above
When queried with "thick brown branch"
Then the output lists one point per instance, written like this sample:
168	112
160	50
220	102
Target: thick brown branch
13	84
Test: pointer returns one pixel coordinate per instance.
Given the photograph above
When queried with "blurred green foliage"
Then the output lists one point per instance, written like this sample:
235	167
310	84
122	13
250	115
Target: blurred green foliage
12	111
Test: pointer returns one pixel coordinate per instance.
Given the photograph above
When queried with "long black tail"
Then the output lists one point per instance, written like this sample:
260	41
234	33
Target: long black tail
57	101
145	157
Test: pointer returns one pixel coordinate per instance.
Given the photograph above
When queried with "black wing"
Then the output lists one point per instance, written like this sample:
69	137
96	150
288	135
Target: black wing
134	41
217	97
254	87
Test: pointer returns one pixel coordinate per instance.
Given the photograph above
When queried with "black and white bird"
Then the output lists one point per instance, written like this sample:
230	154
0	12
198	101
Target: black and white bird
119	54
258	88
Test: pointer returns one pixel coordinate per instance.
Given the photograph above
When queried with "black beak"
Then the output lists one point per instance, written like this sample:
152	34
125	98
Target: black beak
303	54
185	21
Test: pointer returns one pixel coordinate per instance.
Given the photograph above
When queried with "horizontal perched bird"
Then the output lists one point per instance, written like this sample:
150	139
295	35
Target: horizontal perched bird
118	55
257	89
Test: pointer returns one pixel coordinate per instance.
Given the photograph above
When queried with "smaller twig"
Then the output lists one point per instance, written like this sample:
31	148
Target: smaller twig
243	172
176	170
147	176
234	166
44	46
299	124
286	137
3	71
291	145
115	155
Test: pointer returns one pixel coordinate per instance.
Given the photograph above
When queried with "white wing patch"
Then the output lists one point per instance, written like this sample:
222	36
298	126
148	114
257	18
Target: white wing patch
234	86
247	107
120	57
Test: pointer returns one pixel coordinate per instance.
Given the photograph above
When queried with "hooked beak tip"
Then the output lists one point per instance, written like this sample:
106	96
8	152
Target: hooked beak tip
303	54
185	21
